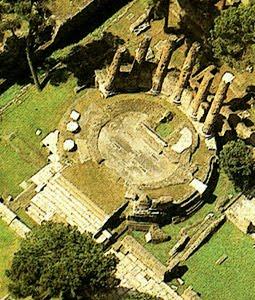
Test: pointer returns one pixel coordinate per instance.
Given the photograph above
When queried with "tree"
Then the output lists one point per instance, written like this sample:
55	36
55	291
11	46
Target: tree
56	260
233	36
237	161
32	17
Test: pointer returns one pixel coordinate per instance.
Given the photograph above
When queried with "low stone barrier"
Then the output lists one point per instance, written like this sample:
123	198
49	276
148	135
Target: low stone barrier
12	221
129	244
206	229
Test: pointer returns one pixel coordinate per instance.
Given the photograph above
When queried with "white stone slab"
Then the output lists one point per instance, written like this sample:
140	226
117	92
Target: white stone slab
51	140
75	115
184	142
72	126
69	145
148	237
198	185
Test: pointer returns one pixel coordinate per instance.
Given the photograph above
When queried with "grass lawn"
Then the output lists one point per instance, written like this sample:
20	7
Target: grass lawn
101	185
20	150
9	94
9	243
234	279
165	129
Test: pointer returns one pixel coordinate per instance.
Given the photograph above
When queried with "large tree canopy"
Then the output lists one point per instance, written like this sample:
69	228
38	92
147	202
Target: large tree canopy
233	36
56	260
237	161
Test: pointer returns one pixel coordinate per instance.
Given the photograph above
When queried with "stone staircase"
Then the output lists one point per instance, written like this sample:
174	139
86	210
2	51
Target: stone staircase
60	197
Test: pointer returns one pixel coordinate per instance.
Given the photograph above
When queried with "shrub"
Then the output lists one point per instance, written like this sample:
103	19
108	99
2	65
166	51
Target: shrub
233	36
56	260
237	161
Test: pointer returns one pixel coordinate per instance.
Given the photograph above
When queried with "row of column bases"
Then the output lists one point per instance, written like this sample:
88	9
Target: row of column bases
203	90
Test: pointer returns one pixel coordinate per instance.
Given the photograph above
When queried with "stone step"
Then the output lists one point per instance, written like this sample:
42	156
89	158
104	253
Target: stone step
72	208
75	204
90	205
35	213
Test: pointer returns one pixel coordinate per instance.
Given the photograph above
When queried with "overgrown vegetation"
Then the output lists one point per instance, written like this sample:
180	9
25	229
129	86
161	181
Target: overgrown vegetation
56	260
237	161
32	15
233	36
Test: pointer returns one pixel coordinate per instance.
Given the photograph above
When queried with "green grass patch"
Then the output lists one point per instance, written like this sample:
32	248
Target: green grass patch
14	170
24	217
20	149
224	187
99	184
9	94
9	244
234	279
164	129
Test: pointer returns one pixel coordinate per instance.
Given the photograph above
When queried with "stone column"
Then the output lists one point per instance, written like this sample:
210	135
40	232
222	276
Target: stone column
201	93
214	110
114	68
165	57
142	50
185	73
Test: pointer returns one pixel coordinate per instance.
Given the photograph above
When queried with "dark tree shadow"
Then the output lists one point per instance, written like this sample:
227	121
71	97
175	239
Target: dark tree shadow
84	23
239	103
13	63
59	76
84	60
177	272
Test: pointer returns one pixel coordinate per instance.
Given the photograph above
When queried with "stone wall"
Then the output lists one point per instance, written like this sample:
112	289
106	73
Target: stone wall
12	221
139	270
129	244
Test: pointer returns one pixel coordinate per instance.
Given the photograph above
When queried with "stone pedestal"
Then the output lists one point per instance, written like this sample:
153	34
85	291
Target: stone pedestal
217	103
140	57
105	79
185	73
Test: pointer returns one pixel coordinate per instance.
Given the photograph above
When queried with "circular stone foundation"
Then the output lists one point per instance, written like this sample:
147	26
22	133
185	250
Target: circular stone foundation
123	135
130	147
